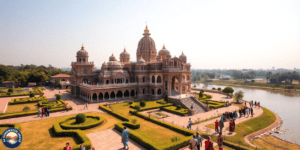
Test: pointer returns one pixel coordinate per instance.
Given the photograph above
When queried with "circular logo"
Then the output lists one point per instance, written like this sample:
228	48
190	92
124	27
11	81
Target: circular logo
12	138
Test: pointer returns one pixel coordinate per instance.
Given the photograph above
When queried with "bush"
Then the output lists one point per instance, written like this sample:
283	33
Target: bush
31	94
137	107
58	96
219	89
213	88
228	90
208	96
175	138
166	98
8	93
202	91
97	121
80	118
130	103
26	108
142	103
178	107
10	90
200	94
133	121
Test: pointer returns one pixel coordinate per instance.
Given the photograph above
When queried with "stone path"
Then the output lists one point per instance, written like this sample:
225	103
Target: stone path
110	140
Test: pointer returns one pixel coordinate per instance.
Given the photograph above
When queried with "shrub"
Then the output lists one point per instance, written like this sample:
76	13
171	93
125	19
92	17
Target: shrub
26	108
178	107
31	94
80	118
202	91
142	103
137	107
208	96
175	138
133	121
58	96
10	90
166	98
130	103
219	89
228	90
213	88
8	93
200	94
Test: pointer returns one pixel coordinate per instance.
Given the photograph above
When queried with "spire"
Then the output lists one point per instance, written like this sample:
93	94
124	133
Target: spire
164	47
82	47
124	49
146	31
182	53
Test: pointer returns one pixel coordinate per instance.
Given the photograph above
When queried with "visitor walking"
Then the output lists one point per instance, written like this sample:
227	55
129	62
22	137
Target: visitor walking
68	147
209	144
92	148
81	147
46	112
67	107
217	126
220	141
86	105
125	137
193	143
43	111
258	104
190	124
192	106
255	104
231	126
251	110
40	111
221	124
199	140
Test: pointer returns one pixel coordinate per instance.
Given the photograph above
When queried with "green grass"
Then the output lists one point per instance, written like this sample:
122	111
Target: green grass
151	131
87	121
212	104
218	118
251	126
173	109
150	105
19	107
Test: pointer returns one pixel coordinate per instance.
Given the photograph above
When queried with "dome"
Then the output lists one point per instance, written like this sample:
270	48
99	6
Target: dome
182	56
82	52
146	47
141	60
146	43
112	58
164	51
124	54
114	65
104	64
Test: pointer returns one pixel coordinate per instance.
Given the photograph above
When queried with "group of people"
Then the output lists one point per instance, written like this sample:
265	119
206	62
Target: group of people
196	142
256	104
68	147
43	111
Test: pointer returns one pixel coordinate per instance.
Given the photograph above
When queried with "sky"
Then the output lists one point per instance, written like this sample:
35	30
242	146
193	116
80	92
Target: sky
212	34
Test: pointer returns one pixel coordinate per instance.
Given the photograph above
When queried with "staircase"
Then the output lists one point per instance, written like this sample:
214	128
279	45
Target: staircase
188	102
174	92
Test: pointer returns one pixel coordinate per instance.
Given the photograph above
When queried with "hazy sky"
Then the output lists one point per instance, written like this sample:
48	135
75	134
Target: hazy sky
213	34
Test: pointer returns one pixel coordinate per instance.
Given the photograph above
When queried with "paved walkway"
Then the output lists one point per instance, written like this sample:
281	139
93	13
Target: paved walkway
110	140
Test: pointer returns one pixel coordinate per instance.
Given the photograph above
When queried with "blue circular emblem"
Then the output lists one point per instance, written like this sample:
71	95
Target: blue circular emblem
12	138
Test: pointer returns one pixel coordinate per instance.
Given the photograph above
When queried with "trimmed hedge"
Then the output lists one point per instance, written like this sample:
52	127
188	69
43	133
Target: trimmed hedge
37	91
99	121
174	111
22	114
79	135
10	125
235	146
54	104
149	108
27	100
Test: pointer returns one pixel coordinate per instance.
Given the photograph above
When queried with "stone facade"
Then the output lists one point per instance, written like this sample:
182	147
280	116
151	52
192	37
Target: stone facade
151	77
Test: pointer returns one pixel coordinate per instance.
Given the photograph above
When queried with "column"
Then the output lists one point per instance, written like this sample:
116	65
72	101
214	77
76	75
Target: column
180	85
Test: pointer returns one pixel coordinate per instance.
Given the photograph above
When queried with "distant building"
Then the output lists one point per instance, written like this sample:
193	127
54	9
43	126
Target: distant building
7	84
151	77
64	81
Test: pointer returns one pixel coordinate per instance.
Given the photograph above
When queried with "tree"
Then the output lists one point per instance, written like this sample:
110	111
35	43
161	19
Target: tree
166	98
219	89
57	82
26	108
200	94
239	95
58	96
1	79
268	75
228	90
31	94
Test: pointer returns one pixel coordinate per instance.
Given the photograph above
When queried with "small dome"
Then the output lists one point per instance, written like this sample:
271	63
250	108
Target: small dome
82	52
104	64
124	54
114	65
141	60
112	58
182	56
164	51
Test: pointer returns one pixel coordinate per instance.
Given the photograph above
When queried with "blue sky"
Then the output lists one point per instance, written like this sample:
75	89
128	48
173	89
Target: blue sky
213	34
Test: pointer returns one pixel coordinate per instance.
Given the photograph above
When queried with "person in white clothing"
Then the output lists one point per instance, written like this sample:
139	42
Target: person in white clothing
193	143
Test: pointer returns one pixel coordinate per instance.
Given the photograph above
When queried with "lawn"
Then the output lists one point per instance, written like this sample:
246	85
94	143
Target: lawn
150	105
251	126
272	140
19	107
38	134
151	131
2	129
173	109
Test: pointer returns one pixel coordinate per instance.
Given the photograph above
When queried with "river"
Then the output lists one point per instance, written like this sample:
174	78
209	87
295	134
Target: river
285	104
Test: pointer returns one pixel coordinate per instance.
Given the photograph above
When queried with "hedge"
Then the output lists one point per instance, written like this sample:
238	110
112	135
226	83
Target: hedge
10	125
22	114
79	135
53	104
27	100
235	146
169	109
149	108
99	121
37	91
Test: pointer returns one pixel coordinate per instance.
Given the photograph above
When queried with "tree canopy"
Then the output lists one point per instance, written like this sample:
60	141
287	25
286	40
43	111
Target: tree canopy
227	90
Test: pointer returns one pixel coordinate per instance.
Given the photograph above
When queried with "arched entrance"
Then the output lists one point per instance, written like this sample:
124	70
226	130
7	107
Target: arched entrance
112	95
175	86
94	97
100	96
132	93
126	93
119	94
106	96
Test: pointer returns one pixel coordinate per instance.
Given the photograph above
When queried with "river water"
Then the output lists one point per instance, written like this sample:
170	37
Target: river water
285	104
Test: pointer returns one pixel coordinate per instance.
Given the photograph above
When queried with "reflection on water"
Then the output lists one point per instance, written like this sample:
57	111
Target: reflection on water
24	91
283	102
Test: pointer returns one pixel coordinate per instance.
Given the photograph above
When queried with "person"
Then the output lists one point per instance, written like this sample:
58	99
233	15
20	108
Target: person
86	105
199	140
192	106
46	112
43	111
240	113
68	147
209	144
193	143
190	124
217	126
251	110
245	103
92	148
220	141
221	124
231	126
235	115
258	104
125	137
40	111
255	104
81	147
67	107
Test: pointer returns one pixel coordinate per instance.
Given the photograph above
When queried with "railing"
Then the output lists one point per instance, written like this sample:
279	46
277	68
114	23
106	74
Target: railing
106	86
83	63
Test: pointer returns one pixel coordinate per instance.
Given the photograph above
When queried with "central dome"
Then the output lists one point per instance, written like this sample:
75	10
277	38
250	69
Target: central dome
146	47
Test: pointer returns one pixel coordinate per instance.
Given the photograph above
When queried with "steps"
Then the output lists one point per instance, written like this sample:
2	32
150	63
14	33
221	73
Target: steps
174	92
188	102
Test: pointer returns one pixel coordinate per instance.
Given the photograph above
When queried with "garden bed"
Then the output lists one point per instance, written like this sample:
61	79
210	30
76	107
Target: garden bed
174	110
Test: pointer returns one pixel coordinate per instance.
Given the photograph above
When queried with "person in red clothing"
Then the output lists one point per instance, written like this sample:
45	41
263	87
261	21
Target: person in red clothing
68	147
231	126
217	126
209	144
43	111
220	142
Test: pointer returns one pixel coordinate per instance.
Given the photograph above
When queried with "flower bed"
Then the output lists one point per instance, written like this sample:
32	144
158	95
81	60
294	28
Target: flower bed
173	109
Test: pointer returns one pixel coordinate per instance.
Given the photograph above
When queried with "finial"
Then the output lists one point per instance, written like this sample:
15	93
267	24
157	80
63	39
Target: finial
82	47
182	53
146	29
124	49
164	47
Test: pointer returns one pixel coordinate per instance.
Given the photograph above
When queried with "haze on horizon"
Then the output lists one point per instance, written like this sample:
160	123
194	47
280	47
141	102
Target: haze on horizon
212	34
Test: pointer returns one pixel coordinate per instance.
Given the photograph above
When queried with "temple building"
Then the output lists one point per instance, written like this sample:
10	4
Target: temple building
151	77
